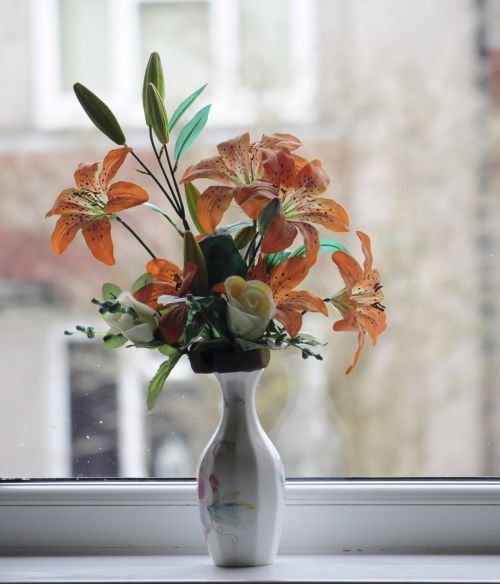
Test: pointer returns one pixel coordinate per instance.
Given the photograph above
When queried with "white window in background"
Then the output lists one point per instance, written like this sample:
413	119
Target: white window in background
105	44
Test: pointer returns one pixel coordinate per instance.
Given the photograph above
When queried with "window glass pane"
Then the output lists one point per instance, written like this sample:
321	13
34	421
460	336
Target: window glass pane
407	127
265	49
180	32
84	29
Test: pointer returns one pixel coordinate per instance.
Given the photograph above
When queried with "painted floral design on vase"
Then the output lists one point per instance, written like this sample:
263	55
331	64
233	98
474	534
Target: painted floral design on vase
240	480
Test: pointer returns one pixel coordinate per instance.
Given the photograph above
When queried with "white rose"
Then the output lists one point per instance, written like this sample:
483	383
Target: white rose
250	307
137	329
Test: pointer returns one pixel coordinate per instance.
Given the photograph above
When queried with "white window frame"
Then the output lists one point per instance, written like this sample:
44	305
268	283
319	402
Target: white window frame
233	105
417	516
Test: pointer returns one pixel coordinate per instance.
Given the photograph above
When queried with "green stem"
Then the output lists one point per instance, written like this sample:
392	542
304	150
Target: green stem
178	206
176	184
158	183
135	235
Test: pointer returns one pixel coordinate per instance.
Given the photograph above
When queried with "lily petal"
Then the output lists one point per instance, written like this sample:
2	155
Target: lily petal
313	178
366	246
124	195
347	324
65	231
151	294
325	212
357	355
311	241
253	197
373	321
70	201
287	276
173	323
164	270
212	205
349	268
236	156
97	234
279	235
279	139
111	164
85	177
279	167
290	318
211	168
304	300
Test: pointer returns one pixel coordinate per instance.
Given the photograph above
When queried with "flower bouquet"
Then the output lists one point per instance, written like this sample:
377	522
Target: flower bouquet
237	295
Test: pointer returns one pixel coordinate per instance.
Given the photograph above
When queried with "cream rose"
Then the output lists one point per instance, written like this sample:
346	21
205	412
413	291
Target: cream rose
138	327
250	307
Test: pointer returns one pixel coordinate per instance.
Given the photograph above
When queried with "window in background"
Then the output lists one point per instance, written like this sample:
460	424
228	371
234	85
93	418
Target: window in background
84	44
406	125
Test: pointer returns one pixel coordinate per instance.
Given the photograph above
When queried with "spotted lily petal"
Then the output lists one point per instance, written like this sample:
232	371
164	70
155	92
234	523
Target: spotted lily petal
111	164
97	234
65	231
85	177
235	155
124	195
211	168
212	205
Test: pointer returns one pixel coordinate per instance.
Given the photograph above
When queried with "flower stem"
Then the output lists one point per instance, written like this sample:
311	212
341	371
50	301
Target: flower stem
158	183
135	235
176	184
178	205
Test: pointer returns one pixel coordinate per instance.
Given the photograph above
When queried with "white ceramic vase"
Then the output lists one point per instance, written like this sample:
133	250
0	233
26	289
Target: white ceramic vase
241	480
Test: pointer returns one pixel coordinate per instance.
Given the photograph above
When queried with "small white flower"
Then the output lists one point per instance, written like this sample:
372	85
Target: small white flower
139	326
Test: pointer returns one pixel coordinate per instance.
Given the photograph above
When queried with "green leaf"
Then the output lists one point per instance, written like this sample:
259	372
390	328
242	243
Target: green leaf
184	106
157	209
214	312
244	236
154	75
114	341
222	258
194	254
267	215
141	281
157	114
326	244
232	227
275	259
100	114
190	132
156	384
192	196
110	291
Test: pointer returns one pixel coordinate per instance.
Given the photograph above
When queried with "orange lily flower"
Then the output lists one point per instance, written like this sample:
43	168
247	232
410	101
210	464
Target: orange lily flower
168	280
298	186
290	303
360	302
92	204
239	162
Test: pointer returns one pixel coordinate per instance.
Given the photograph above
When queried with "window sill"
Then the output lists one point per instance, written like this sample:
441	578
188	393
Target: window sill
345	567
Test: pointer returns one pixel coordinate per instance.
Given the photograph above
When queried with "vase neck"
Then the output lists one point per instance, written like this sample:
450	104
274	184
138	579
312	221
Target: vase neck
238	392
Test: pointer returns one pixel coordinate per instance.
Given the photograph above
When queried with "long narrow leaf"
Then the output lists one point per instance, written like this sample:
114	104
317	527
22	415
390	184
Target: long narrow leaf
158	381
190	132
326	244
179	112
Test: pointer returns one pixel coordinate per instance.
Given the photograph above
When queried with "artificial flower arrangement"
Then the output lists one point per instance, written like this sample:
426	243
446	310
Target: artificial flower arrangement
236	293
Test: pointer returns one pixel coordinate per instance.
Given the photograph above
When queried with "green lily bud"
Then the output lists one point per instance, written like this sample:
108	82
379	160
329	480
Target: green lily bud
192	196
100	114
154	75
158	114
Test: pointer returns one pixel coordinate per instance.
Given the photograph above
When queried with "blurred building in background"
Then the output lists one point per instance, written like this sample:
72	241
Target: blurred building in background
401	102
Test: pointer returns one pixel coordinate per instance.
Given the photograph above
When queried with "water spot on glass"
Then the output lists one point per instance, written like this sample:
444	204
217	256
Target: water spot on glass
88	437
52	427
100	421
